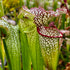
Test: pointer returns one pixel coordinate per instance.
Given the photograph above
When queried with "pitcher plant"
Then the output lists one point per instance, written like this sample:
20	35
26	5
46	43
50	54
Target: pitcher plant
11	44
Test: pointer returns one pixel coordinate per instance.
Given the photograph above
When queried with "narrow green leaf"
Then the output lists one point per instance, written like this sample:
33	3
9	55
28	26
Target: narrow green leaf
1	9
68	47
27	3
7	55
1	54
21	3
0	68
55	5
63	21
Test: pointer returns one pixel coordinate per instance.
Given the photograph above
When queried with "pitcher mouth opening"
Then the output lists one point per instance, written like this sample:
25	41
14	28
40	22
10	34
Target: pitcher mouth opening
50	32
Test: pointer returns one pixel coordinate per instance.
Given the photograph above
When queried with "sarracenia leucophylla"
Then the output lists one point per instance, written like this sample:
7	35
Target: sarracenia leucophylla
10	36
48	36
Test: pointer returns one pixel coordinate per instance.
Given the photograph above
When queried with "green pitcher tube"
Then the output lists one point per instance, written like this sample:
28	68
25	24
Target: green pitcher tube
12	43
28	28
49	44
